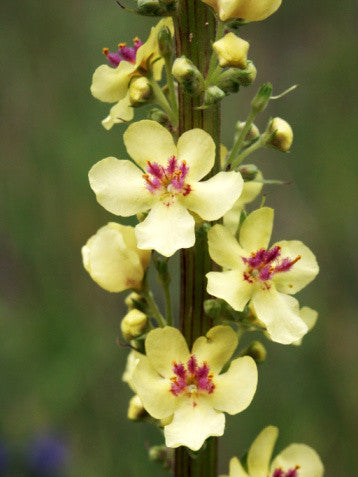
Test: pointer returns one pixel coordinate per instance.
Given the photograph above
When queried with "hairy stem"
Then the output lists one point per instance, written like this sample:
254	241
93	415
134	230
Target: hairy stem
195	28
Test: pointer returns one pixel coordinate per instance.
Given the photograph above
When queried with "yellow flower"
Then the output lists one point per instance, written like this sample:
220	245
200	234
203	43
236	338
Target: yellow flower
110	83
262	274
297	460
169	187
232	51
250	191
251	10
187	390
113	260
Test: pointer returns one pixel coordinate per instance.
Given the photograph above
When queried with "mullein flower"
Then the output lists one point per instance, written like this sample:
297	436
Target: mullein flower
251	10
186	390
112	258
265	275
169	186
110	84
297	460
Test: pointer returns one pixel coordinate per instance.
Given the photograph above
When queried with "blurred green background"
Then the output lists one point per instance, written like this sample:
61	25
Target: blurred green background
60	366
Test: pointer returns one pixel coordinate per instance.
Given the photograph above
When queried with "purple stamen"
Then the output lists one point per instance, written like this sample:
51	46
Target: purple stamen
170	179
192	364
124	53
290	473
192	378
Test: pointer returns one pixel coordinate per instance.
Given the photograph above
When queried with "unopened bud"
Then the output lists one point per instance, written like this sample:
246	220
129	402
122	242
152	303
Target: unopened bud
161	454
150	7
257	351
213	308
165	42
213	95
231	80
136	410
133	324
188	75
262	97
248	172
253	133
133	300
281	134
156	114
139	91
232	51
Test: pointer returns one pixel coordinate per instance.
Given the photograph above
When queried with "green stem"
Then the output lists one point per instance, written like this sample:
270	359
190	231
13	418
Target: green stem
195	28
170	81
168	304
231	160
238	159
161	100
153	310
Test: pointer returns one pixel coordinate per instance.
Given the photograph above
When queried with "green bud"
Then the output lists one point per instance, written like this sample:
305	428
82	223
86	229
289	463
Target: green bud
161	454
248	172
231	80
188	75
214	308
213	95
253	133
256	350
165	42
156	114
150	8
260	101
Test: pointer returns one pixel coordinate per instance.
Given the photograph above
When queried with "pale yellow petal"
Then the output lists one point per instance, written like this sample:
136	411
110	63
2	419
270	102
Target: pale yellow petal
259	455
309	317
197	148
284	325
164	346
224	248
111	263
231	287
149	141
236	469
231	219
128	234
309	462
251	189
153	390
235	389
119	113
111	84
301	273
216	348
166	229
132	361
193	424
120	187
255	232
251	10
212	198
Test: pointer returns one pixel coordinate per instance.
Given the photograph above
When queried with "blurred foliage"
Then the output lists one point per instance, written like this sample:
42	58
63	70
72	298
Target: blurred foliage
60	364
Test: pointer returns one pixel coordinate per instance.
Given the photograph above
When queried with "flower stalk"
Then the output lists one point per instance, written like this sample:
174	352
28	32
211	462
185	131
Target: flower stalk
195	31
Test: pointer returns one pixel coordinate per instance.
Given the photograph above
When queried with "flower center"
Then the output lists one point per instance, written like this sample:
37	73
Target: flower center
191	380
290	473
167	181
264	264
124	53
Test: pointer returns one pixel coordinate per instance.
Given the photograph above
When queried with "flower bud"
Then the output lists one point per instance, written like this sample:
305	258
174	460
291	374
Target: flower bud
112	258
161	454
214	308
150	8
213	95
248	172
165	42
253	133
231	80
261	99
139	91
136	410
232	51
188	75
257	351
156	114
133	324
133	300
282	134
